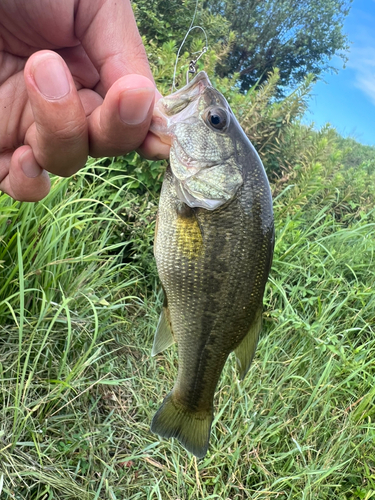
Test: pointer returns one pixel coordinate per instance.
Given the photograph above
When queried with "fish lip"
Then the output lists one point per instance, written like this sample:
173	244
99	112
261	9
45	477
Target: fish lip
159	125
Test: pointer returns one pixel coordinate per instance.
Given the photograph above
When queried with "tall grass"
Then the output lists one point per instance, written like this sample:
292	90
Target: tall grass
79	302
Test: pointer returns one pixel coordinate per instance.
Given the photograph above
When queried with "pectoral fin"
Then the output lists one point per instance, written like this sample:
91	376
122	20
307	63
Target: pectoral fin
163	335
246	350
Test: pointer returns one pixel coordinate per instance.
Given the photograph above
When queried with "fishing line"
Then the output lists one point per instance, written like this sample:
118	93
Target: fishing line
193	62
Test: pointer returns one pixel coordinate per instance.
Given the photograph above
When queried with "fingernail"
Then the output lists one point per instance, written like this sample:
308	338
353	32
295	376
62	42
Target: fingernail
29	166
135	105
50	77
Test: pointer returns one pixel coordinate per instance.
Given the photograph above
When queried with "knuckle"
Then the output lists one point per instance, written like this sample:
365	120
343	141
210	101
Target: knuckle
66	132
137	54
63	150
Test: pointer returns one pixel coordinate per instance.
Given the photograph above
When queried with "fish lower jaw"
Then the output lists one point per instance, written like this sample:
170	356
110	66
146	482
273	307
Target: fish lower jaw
191	165
193	201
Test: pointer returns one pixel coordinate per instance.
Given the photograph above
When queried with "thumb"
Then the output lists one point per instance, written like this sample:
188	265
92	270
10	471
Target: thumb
26	180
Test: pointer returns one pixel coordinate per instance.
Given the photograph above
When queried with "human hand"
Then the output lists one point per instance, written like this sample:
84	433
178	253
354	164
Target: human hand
74	80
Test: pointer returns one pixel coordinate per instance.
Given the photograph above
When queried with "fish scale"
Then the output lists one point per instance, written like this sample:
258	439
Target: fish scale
213	263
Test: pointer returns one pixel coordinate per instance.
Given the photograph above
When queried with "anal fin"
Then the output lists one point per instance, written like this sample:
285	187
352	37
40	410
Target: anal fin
246	350
163	335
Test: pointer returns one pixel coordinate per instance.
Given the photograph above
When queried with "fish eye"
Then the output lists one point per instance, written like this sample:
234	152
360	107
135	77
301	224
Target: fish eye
217	118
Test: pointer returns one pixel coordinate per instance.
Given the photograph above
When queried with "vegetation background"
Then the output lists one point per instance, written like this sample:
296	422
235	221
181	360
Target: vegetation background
80	298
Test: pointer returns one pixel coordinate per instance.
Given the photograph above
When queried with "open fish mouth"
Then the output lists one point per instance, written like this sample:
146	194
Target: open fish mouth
177	106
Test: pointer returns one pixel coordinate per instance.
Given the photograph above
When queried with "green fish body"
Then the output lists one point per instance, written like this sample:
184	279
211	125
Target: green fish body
213	248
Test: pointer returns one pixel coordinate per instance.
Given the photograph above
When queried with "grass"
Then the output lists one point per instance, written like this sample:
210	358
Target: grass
79	301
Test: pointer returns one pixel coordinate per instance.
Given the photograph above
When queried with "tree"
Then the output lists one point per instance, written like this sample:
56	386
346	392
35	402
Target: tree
356	154
163	21
298	37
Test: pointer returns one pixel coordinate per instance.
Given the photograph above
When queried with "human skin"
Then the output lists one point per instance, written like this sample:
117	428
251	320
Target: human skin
74	81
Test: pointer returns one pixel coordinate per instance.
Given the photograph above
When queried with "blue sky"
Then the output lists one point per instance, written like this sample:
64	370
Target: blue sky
347	100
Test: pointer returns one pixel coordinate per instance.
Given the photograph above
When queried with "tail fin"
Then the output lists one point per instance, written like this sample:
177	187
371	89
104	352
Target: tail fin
192	429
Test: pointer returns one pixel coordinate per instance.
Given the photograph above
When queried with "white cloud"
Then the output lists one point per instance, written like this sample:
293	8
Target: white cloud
362	62
365	81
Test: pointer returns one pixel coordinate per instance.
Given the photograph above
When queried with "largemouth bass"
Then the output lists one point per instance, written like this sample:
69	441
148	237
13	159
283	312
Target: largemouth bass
213	247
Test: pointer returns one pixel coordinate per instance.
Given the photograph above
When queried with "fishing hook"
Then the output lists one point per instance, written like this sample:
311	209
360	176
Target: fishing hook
192	64
192	68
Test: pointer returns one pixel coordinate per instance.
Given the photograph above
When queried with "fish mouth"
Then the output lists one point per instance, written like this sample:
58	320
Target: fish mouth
177	106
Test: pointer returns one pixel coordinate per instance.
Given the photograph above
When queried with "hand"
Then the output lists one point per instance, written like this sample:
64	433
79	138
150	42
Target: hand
89	92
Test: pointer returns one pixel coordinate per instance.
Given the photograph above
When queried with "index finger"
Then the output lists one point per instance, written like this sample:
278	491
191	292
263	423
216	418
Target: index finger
109	35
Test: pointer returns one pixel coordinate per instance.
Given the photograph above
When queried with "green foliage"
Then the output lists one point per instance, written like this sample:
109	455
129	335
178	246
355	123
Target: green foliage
355	153
162	61
161	21
80	298
146	175
268	122
78	309
350	191
96	217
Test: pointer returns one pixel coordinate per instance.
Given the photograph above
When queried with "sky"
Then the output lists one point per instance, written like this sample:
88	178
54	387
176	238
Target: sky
347	100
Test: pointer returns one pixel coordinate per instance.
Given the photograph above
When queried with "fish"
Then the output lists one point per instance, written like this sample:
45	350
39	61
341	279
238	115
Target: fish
213	246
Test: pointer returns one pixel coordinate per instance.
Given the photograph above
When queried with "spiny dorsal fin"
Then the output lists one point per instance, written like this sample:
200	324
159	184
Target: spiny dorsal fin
246	350
163	335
